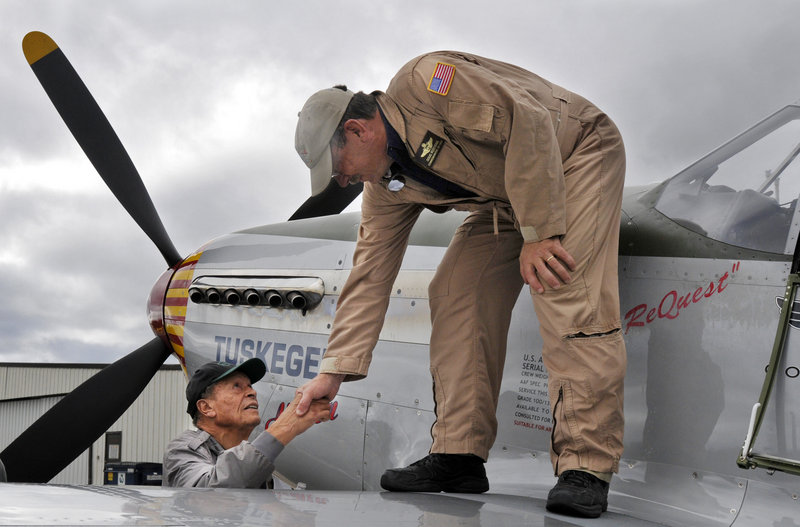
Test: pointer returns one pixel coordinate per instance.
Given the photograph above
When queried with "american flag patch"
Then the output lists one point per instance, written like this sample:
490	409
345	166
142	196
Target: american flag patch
442	78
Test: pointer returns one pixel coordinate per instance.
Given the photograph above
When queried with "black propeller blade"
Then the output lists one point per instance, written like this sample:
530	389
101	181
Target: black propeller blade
332	200
94	134
72	425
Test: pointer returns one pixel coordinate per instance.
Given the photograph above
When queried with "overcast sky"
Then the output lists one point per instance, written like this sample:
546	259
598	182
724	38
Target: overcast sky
204	96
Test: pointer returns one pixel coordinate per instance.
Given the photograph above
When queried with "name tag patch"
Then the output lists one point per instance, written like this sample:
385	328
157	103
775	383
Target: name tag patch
429	149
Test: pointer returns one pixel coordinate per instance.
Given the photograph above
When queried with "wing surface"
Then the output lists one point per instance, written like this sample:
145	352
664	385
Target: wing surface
128	505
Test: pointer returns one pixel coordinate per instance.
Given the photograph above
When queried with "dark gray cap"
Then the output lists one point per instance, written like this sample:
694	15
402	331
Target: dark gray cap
212	372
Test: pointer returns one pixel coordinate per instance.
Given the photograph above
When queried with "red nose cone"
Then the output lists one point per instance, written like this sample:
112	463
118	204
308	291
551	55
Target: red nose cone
168	303
155	305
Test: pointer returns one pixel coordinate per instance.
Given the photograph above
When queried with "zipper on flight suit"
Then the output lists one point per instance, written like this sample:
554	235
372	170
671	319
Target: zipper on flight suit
461	148
555	422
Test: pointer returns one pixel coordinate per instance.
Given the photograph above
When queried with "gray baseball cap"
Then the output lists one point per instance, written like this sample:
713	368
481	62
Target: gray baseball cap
316	123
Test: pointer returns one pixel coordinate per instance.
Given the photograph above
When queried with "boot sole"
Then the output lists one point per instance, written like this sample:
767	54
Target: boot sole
464	486
574	509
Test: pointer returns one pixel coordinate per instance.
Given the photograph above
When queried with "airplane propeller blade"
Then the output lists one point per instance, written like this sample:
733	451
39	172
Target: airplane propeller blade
72	425
332	200
97	138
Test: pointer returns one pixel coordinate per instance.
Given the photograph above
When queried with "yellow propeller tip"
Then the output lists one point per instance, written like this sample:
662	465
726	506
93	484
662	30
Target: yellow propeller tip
36	45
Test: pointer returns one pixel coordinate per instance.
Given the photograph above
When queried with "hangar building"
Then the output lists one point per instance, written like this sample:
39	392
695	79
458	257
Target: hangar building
28	390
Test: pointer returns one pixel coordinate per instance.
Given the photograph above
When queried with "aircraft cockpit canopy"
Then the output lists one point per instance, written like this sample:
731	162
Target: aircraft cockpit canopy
745	192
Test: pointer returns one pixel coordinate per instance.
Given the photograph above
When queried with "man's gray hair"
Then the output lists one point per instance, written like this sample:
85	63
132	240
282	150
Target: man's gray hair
208	392
362	106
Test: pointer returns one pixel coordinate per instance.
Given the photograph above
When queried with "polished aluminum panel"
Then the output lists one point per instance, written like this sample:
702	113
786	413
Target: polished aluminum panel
699	334
122	506
245	251
676	495
292	358
307	459
407	320
396	436
774	504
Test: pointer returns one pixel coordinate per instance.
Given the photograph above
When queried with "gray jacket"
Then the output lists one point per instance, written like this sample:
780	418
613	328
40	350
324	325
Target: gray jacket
195	459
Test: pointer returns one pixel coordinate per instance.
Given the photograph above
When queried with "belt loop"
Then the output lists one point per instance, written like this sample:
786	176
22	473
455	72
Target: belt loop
494	217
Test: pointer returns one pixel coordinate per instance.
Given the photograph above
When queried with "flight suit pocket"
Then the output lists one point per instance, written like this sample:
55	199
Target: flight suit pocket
481	124
471	116
440	284
478	131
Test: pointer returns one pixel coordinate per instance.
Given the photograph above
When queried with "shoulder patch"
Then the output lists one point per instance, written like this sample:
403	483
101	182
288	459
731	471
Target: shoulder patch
442	78
429	148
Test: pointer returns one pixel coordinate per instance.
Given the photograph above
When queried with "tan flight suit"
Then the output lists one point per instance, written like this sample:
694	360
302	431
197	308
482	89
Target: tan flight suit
543	162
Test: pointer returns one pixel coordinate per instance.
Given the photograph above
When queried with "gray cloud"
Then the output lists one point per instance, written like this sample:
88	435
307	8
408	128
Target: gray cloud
204	96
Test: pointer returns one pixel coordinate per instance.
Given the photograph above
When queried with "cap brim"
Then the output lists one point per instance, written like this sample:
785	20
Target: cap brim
321	172
254	368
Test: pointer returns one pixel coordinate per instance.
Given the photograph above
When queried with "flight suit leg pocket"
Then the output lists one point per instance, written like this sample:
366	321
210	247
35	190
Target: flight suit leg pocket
440	284
596	406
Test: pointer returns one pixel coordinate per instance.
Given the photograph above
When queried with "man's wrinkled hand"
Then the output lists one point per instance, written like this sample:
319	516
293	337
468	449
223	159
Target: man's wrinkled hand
289	424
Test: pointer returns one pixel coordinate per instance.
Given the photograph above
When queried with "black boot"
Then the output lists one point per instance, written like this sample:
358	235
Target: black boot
439	473
578	493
